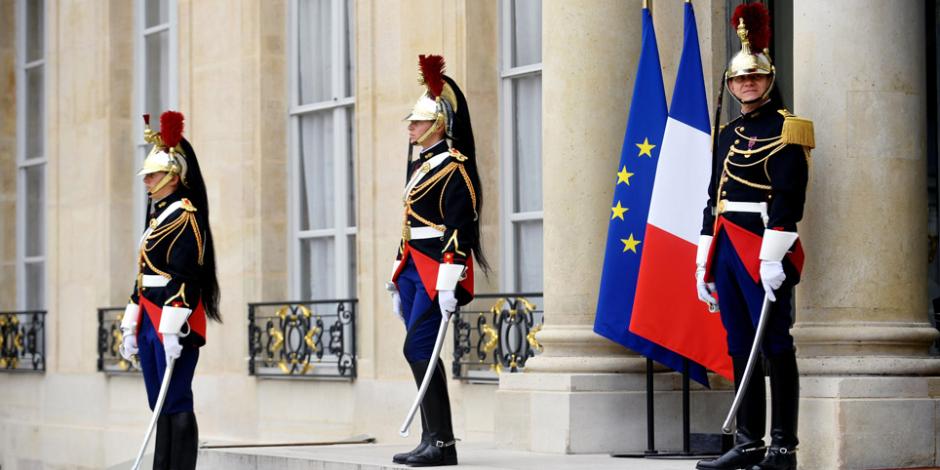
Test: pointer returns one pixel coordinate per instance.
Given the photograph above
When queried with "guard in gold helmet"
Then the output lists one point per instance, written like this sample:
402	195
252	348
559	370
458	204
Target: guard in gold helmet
749	248
433	268
175	290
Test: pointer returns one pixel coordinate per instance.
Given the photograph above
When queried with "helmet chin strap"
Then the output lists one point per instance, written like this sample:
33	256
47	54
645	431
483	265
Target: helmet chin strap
438	123
163	182
761	98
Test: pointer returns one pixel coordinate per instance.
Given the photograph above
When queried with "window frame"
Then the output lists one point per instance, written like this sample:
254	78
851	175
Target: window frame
343	111
24	162
141	84
509	218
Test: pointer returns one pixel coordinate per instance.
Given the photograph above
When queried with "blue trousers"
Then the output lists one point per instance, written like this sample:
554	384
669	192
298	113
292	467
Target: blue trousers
179	396
740	299
422	314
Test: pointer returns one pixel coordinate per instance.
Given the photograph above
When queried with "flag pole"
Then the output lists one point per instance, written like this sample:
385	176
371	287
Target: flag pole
650	411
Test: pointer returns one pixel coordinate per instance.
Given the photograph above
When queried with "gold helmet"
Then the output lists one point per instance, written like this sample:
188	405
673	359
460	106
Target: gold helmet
752	22
438	103
166	155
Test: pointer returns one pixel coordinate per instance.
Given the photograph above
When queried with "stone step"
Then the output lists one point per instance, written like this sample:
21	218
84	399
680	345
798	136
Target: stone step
472	456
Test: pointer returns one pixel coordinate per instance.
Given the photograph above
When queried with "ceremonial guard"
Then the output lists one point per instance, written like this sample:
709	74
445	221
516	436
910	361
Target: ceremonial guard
433	269
175	291
749	253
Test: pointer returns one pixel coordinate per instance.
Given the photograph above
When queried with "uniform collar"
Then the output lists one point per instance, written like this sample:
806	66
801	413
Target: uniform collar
435	149
162	204
757	112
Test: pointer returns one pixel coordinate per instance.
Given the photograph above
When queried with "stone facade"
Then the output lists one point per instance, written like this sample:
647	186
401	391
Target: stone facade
862	332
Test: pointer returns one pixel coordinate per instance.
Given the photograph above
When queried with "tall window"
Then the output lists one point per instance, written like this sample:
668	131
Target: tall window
521	121
31	155
322	197
155	72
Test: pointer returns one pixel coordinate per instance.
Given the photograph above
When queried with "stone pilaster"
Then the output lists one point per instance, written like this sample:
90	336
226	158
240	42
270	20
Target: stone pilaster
862	306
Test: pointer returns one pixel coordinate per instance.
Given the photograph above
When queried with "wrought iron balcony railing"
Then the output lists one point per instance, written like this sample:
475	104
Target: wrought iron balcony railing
313	339
23	341
109	340
495	333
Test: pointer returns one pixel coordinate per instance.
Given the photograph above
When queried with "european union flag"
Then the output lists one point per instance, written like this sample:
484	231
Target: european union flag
630	209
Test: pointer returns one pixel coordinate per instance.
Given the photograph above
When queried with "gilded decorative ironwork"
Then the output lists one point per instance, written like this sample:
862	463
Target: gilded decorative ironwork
109	343
312	339
495	334
23	341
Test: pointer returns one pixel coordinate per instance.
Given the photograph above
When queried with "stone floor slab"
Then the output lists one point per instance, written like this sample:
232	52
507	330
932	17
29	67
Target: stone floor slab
379	456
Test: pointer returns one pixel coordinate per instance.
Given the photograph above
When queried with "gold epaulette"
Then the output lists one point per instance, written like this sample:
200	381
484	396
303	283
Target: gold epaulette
796	130
457	155
187	206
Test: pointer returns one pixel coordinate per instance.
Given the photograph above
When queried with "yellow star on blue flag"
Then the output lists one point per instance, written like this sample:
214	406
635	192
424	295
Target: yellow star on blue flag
645	148
618	211
630	244
623	176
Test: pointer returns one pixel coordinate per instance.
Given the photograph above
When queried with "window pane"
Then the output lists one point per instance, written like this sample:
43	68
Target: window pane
35	209
35	287
157	78
314	51
317	188
527	32
350	52
35	102
350	170
35	30
527	147
352	266
528	238
156	12
317	268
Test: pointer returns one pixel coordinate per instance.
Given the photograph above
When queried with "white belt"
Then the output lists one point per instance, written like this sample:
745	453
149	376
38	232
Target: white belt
421	233
153	280
733	206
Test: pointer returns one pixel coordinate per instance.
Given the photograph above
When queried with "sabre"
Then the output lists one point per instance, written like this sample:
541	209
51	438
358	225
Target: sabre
441	332
164	386
749	369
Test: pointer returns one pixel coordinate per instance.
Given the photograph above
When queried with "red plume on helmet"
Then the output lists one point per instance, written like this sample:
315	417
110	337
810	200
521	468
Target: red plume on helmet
432	73
171	128
757	21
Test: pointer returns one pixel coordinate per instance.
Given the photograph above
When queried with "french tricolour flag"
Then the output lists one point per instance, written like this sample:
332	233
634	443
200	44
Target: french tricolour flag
666	310
629	208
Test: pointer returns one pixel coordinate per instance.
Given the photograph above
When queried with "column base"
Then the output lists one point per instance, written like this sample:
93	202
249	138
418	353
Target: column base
573	413
869	422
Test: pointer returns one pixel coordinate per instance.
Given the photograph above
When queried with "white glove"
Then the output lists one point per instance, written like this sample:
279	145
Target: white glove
128	345
447	301
396	305
706	290
772	277
171	346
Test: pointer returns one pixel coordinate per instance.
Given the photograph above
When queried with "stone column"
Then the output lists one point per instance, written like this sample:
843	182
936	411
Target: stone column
7	155
862	331
584	393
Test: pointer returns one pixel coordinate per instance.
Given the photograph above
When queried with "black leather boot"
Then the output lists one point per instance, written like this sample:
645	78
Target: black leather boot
425	441
750	421
184	441
161	445
441	449
417	370
785	408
